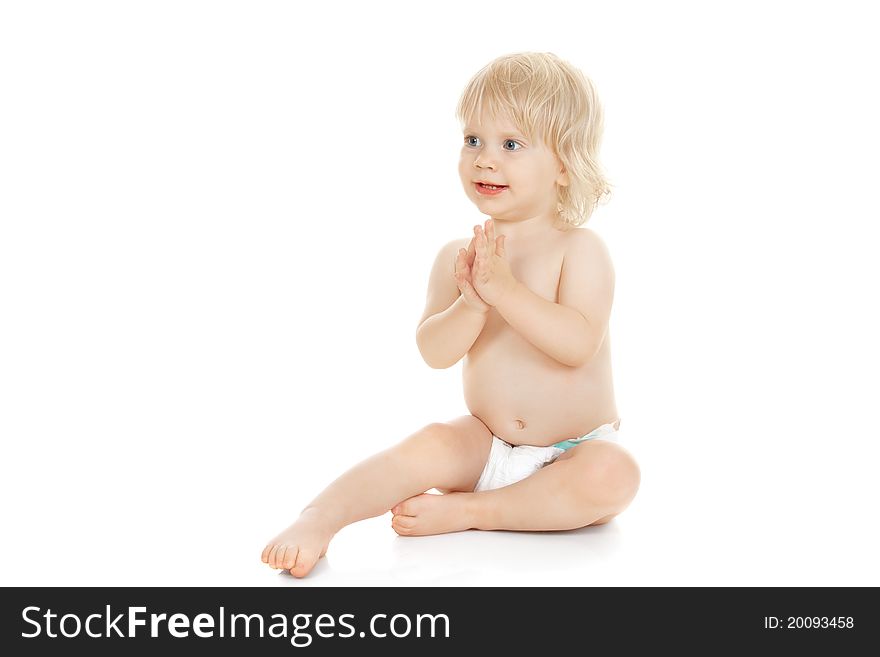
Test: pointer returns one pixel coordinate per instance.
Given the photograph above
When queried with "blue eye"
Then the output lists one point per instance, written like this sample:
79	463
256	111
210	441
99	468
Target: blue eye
467	140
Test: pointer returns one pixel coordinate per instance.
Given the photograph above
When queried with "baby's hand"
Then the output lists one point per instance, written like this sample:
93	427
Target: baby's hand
492	278
464	278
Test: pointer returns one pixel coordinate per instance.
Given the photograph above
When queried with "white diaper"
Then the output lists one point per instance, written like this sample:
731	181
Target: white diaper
509	464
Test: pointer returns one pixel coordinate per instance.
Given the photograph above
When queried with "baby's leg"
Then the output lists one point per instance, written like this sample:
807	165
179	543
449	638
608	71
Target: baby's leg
449	455
588	485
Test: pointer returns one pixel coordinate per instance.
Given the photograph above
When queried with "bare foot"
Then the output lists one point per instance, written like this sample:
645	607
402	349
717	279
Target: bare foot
432	514
299	547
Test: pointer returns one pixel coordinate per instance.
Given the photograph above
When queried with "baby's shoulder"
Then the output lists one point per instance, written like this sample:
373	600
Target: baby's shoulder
452	246
448	252
584	241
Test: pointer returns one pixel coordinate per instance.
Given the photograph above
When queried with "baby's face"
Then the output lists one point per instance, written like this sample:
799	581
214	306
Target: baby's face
494	151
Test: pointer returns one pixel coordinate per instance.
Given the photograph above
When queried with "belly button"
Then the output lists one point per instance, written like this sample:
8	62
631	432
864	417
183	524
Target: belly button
520	424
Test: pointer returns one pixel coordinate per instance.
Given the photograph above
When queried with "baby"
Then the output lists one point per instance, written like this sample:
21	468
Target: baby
526	302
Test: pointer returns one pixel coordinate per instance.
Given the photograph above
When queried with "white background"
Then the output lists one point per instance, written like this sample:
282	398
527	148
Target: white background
218	220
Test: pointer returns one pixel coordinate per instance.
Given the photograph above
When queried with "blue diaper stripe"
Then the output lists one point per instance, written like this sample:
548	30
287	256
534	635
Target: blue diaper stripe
574	442
568	444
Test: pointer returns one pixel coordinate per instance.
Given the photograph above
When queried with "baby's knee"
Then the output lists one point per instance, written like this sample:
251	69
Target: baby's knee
613	470
436	436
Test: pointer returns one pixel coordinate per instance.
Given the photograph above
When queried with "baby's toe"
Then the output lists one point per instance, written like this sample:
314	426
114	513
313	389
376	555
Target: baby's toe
305	561
281	554
265	556
405	508
408	522
289	557
414	505
403	525
272	554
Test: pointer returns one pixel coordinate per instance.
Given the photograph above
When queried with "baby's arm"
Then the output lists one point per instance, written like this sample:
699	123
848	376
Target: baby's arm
572	330
450	324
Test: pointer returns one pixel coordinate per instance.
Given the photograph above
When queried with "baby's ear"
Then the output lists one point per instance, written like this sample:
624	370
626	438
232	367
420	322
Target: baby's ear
562	179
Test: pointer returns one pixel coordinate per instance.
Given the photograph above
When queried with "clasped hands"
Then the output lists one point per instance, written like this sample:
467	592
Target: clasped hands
482	272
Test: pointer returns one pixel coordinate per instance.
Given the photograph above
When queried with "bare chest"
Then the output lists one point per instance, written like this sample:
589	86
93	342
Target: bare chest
540	274
539	270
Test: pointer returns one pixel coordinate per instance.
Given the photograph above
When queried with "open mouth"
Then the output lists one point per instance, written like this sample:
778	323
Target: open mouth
490	189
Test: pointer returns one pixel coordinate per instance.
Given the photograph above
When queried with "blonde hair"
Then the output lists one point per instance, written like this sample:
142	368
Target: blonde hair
547	97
